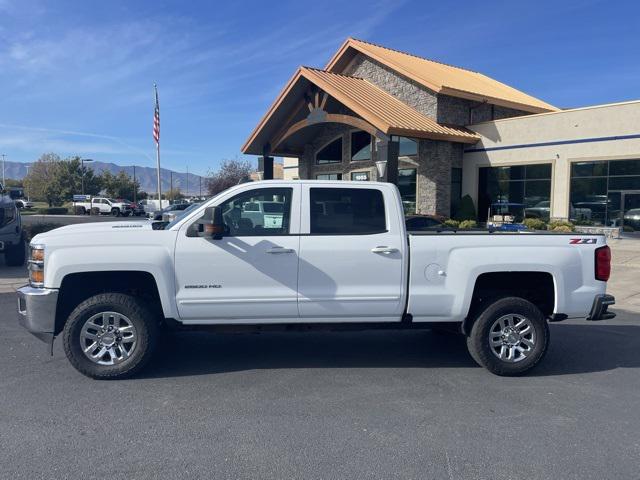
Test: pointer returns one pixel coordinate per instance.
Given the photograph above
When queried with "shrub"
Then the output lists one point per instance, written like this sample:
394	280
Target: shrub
556	224
468	224
36	228
466	210
53	211
452	223
584	223
535	224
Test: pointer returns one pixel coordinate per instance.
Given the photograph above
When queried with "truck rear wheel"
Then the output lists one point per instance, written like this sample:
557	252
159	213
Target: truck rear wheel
110	336
15	255
509	337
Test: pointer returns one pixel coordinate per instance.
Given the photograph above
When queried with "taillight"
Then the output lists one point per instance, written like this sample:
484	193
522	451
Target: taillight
603	263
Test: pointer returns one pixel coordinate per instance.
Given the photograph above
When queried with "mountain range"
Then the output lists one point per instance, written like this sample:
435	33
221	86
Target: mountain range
146	176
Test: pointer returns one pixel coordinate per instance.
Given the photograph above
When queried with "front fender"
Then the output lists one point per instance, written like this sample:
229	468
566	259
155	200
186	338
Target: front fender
155	260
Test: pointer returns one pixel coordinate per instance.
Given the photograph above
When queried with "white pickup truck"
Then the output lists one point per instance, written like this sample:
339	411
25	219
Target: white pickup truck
337	257
104	206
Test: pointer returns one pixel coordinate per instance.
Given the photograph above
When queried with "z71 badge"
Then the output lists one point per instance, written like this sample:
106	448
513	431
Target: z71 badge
582	241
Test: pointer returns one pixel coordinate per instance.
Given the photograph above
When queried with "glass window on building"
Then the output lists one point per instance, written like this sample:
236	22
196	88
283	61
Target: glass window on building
360	176
456	189
329	176
408	147
603	192
360	146
526	186
331	153
407	187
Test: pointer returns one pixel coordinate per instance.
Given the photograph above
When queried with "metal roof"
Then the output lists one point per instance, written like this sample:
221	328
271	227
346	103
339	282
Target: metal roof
382	110
440	77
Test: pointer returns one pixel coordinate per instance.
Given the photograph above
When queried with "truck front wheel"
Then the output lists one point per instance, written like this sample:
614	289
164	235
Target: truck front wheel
110	336
509	337
115	212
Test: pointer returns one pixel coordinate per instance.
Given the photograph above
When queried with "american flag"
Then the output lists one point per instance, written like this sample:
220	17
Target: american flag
156	119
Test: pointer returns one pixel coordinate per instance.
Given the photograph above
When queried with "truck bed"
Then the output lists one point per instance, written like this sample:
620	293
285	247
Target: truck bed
444	267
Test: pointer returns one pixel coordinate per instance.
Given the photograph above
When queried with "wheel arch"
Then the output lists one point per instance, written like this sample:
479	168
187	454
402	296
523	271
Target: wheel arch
77	287
538	287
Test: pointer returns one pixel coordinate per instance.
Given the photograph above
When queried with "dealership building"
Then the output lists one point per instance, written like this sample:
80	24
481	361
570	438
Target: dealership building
440	132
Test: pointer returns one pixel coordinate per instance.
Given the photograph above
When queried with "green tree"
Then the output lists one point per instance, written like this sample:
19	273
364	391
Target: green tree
10	182
71	173
120	185
43	181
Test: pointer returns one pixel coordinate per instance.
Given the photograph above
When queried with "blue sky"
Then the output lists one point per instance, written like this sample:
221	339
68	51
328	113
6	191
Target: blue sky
76	76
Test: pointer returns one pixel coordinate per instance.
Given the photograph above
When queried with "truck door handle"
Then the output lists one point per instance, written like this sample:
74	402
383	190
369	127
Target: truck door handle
280	250
385	250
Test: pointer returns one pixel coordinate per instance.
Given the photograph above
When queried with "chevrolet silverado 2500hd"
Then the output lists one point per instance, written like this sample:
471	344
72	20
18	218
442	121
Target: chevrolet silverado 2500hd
323	255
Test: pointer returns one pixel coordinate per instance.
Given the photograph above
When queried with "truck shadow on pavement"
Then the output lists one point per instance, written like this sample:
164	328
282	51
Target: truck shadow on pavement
574	349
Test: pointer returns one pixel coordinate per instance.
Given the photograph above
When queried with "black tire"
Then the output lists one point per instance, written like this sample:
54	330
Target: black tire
115	212
15	255
146	324
478	341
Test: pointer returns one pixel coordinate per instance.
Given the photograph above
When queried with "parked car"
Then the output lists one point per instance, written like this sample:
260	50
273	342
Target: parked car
107	287
176	207
173	215
416	223
12	239
632	218
137	209
24	203
103	206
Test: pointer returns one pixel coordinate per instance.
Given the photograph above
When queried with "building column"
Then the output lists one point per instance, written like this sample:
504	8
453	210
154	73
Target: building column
265	165
389	151
560	186
435	159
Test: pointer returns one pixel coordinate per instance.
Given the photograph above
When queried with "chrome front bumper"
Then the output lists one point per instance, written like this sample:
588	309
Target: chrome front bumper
599	308
37	311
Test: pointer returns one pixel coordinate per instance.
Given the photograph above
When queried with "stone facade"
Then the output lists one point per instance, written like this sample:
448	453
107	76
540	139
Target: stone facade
404	89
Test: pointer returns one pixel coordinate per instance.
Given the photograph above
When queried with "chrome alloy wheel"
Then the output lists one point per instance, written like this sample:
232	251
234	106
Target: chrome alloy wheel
108	338
512	338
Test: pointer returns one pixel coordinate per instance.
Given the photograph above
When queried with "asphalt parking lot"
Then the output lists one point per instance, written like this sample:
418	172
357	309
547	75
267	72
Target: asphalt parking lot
327	405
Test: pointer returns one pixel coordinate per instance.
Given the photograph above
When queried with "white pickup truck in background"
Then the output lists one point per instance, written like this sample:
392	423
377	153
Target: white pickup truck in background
313	254
103	206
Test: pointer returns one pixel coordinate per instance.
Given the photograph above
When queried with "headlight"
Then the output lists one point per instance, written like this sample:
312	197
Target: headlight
36	265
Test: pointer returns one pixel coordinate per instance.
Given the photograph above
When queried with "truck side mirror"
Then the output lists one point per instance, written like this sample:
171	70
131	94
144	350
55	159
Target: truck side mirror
211	224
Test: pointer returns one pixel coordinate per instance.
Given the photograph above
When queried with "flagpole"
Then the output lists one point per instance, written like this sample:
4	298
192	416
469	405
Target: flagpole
155	87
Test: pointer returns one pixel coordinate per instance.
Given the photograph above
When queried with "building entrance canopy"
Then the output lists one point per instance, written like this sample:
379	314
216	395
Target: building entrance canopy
315	97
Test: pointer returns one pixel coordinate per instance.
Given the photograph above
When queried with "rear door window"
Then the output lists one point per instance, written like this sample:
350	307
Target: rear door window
346	211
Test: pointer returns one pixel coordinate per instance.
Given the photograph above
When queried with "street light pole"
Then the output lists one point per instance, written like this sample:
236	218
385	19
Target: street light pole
28	167
3	182
135	187
82	160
